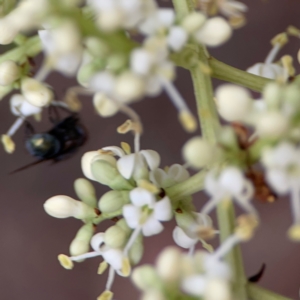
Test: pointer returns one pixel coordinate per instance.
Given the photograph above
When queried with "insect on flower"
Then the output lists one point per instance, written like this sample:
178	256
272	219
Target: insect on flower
59	143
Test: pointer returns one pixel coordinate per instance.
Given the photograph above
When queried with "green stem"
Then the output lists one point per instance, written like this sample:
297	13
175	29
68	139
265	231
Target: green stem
186	188
256	292
210	125
226	222
227	73
31	48
106	216
208	116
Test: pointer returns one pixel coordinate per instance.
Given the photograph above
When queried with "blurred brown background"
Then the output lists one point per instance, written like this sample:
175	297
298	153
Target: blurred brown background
31	240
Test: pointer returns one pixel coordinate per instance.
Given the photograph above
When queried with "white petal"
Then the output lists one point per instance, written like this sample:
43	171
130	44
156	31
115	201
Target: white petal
97	240
141	61
178	173
152	158
166	16
216	268
113	257
212	185
132	215
140	197
69	63
232	179
152	227
153	86
126	165
47	41
203	219
116	150
163	210
194	285
159	177
177	38
284	154
279	181
103	82
181	239
272	71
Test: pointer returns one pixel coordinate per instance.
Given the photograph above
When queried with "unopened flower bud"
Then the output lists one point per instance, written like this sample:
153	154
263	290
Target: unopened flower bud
227	137
85	191
110	20
9	72
8	31
81	242
153	295
136	251
145	277
36	93
272	125
107	174
272	95
104	106
129	86
217	289
198	152
167	264
64	207
234	103
193	21
115	237
113	201
214	32
89	157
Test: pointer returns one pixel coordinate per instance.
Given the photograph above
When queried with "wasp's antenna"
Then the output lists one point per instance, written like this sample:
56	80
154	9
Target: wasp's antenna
258	276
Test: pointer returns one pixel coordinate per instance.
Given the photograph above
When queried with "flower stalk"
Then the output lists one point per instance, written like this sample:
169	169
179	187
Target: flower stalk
256	292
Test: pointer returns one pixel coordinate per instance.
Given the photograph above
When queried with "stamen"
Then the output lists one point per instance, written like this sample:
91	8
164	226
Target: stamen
225	247
17	124
295	202
110	279
191	251
209	206
43	72
8	143
106	295
131	240
86	255
272	54
174	95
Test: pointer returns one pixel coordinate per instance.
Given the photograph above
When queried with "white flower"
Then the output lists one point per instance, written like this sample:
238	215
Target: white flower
282	165
188	237
230	184
172	175
136	164
63	47
145	213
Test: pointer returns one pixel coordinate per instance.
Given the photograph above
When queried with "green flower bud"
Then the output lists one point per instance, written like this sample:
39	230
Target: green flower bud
86	72
96	47
184	219
136	251
109	175
85	191
227	138
123	224
113	200
81	242
116	62
272	94
115	237
292	95
145	277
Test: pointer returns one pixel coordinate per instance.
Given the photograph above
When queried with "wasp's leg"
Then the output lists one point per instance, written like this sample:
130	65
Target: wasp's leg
53	114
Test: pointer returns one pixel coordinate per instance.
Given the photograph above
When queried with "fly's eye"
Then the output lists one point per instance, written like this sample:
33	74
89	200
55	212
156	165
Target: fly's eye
42	145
